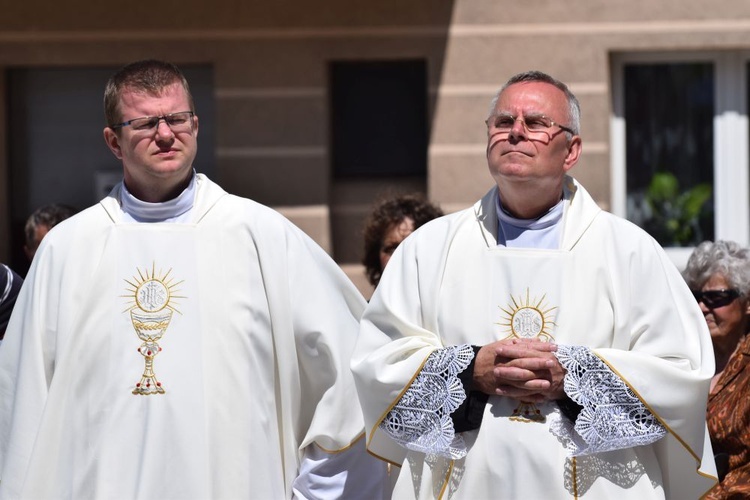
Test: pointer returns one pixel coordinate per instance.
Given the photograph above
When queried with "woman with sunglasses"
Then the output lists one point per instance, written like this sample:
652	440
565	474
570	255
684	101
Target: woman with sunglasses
718	273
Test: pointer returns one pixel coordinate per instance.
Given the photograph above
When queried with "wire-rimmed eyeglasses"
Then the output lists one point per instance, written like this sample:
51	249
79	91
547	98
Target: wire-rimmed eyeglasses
181	121
535	124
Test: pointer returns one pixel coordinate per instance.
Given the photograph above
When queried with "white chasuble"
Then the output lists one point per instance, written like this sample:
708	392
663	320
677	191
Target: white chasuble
176	361
609	288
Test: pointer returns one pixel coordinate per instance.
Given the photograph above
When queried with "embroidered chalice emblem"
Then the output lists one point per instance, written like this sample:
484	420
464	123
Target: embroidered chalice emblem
528	319
150	315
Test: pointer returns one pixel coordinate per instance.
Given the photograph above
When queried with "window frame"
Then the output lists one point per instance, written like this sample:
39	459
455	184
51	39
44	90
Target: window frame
731	138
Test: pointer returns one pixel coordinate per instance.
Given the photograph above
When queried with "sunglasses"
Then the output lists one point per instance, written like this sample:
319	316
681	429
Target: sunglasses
716	298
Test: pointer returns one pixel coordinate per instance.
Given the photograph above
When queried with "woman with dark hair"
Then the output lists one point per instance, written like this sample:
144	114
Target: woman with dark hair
718	273
392	220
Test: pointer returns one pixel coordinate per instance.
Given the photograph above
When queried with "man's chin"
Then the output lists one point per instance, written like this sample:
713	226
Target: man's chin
516	173
170	169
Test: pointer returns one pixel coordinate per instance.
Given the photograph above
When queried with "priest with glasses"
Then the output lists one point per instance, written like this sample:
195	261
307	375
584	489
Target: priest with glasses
536	346
175	341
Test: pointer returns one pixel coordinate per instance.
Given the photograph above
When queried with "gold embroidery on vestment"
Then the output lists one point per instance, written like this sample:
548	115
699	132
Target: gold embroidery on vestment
528	319
527	412
153	296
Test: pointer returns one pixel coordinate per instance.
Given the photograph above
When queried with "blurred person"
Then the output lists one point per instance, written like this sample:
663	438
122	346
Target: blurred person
719	275
175	341
536	346
10	285
390	222
40	222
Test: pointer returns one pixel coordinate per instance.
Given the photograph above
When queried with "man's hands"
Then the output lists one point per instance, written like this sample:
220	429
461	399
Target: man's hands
521	369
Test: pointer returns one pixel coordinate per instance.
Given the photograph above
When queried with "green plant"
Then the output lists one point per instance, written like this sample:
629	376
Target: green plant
675	214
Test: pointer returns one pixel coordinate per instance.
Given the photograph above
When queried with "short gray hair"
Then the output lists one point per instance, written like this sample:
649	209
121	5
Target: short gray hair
574	107
727	258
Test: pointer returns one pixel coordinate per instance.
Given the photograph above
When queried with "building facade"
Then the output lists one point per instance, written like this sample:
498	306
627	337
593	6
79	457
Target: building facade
316	109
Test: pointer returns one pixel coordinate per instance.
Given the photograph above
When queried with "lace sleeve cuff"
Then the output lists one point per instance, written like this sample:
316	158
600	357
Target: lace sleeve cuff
612	417
420	420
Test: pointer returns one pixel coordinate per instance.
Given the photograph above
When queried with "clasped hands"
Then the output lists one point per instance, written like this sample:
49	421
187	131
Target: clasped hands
522	369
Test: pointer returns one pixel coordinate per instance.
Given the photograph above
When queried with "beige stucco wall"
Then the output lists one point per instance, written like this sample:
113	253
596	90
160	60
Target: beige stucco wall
270	63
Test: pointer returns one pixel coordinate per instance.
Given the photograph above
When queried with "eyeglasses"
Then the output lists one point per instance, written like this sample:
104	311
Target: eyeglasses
178	122
536	126
716	298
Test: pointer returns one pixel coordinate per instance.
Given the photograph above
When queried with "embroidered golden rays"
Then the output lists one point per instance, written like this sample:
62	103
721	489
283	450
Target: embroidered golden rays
528	319
152	296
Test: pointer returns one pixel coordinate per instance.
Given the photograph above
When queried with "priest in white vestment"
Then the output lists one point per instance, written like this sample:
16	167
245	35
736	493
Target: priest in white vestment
535	346
177	342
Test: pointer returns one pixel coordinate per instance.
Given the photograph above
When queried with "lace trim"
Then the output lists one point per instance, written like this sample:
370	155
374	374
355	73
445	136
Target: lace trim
612	418
421	421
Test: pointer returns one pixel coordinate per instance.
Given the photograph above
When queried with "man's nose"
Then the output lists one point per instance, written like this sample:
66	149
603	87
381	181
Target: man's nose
163	131
518	130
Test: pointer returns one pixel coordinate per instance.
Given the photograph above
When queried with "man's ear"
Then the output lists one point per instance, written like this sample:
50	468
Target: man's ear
574	152
113	142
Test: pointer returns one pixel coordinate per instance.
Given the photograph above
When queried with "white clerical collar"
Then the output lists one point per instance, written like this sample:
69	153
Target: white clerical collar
541	232
174	210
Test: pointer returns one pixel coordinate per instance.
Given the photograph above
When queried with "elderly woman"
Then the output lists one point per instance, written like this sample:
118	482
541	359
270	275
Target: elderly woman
719	276
392	220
